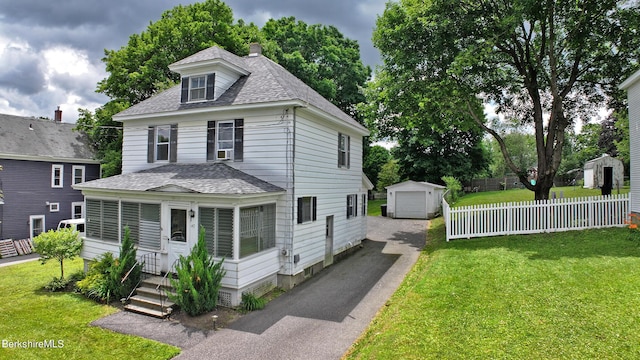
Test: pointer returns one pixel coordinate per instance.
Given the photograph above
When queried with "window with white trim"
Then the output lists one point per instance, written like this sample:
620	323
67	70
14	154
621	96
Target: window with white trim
257	229
143	221
218	231
57	172
197	88
352	206
163	136
54	207
102	220
78	174
344	150
307	209
225	140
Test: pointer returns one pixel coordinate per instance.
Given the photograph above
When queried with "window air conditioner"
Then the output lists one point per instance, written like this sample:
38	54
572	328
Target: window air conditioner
223	155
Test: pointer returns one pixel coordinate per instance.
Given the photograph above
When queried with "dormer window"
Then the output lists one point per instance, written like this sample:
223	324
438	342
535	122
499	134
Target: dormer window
198	88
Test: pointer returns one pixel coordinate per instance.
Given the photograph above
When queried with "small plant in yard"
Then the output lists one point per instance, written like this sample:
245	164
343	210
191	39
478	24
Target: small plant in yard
199	279
250	302
111	278
634	232
454	186
58	244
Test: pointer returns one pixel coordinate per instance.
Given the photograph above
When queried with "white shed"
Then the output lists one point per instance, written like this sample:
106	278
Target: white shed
414	200
602	171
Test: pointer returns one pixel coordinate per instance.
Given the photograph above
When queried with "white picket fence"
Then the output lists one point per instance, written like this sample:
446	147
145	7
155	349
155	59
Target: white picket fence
530	217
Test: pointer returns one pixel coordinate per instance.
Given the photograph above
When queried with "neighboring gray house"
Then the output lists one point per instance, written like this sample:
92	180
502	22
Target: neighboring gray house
632	86
41	161
269	168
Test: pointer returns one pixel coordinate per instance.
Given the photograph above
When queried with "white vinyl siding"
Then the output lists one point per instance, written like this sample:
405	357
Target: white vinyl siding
634	143
316	173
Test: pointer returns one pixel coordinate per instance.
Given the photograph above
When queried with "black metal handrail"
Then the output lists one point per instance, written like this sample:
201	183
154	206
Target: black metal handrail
164	283
146	262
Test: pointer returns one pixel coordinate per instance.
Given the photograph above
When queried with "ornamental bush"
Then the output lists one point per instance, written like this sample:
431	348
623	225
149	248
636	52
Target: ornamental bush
58	244
198	280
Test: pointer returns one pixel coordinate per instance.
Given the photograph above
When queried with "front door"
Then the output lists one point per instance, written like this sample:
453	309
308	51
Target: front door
179	238
36	225
328	251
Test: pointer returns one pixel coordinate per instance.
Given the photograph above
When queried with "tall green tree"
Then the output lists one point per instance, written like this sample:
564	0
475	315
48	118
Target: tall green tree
322	57
545	63
374	159
521	148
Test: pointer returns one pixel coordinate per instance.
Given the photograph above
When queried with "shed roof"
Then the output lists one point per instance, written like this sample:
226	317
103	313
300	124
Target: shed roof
605	157
210	178
267	82
37	139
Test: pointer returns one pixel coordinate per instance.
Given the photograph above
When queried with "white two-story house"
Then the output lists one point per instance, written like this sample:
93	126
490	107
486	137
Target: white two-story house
242	148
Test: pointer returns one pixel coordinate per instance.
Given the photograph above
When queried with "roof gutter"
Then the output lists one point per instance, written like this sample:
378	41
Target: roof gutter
48	159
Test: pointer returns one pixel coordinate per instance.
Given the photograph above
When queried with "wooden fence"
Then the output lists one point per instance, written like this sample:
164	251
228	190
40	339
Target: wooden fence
530	217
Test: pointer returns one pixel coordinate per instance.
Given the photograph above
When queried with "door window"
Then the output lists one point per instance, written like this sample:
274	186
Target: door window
179	225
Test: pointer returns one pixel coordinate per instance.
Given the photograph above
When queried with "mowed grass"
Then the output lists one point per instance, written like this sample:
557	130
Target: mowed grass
492	197
29	314
573	295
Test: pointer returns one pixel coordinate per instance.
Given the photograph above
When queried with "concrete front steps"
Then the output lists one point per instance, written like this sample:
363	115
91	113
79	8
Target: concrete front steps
151	299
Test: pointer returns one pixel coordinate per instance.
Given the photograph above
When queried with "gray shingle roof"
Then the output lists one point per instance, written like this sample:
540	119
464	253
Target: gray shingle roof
209	178
267	82
211	53
48	139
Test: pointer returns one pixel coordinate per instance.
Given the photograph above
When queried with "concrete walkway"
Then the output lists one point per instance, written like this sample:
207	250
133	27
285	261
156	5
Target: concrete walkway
318	319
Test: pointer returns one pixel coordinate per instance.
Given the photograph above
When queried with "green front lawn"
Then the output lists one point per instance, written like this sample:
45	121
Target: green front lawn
30	314
572	295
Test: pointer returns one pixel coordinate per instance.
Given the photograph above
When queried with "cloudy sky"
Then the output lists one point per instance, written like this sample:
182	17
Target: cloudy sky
51	51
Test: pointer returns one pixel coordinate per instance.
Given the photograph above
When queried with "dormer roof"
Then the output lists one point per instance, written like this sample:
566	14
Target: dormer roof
264	83
208	59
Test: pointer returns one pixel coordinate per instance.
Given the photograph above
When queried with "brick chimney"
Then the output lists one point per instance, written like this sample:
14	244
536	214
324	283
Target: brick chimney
255	49
58	115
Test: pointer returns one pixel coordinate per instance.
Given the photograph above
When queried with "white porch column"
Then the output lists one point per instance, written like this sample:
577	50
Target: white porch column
236	232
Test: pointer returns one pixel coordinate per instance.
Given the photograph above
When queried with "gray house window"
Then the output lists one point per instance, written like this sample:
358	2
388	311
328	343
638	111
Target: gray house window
198	88
57	172
307	209
352	206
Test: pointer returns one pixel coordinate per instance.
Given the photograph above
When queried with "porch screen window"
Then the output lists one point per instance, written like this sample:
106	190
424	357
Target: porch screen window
352	206
257	229
143	221
218	227
102	220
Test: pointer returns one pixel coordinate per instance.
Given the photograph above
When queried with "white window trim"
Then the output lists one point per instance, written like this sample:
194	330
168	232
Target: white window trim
73	174
60	168
54	207
31	220
233	137
191	88
73	206
168	143
344	151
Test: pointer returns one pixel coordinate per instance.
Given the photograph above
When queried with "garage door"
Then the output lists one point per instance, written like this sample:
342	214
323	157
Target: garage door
411	204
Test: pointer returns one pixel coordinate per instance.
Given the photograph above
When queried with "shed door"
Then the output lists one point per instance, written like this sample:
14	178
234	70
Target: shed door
411	204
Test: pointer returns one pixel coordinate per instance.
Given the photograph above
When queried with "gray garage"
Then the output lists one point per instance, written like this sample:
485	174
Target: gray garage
414	200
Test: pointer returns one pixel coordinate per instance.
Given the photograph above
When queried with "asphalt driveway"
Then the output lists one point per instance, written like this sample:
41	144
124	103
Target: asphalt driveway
318	319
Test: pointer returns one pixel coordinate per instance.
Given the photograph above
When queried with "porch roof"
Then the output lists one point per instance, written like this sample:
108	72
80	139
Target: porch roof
209	178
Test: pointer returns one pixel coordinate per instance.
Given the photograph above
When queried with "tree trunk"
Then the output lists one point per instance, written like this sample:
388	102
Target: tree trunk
61	269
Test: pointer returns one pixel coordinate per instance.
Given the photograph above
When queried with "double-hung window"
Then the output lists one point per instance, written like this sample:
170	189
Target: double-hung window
307	209
352	206
197	88
57	172
78	174
163	143
343	151
225	140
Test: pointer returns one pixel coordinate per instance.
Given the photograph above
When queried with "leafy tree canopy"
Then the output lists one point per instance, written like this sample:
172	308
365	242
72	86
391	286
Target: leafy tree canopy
546	64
